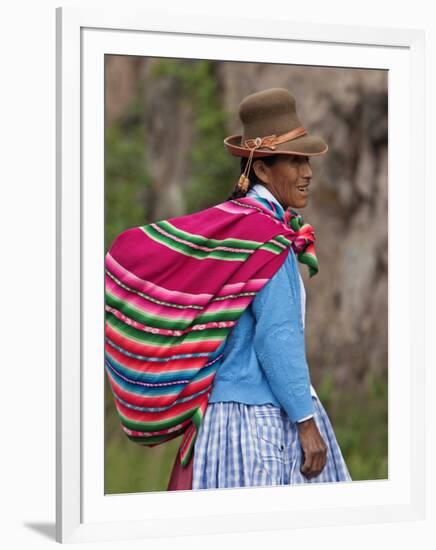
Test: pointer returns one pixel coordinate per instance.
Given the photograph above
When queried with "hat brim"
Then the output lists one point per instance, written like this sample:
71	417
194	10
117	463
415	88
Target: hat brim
306	145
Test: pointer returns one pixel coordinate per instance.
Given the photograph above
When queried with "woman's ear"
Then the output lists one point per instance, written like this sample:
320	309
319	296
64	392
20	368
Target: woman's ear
260	170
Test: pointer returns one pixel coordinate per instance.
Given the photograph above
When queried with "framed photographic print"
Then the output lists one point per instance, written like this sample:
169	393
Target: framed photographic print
160	119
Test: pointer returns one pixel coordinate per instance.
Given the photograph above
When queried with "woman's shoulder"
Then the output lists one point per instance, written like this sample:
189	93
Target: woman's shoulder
278	286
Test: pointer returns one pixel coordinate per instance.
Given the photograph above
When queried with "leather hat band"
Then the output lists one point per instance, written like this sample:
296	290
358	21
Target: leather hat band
271	141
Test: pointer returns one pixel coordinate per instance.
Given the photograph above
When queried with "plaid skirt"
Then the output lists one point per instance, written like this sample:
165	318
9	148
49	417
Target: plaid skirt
241	445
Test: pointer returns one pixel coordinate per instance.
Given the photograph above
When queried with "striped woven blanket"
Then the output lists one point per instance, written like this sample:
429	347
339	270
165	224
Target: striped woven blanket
174	290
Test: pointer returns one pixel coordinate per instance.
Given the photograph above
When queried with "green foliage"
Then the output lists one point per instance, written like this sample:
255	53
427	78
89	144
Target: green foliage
126	176
360	421
213	170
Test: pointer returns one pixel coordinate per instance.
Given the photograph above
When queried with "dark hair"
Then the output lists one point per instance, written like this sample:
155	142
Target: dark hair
269	161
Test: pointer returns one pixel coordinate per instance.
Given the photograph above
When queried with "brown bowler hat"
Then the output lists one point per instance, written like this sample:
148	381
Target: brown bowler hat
271	116
271	126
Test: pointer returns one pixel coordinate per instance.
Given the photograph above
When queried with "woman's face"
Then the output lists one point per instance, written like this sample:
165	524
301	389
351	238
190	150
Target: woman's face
288	179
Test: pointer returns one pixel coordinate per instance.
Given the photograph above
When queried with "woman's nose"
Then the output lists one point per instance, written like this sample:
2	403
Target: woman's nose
306	170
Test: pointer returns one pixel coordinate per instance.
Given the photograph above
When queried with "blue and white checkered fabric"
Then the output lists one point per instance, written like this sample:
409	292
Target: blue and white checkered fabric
241	445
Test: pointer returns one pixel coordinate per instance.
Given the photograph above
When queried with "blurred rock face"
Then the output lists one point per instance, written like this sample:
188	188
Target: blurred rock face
346	314
347	300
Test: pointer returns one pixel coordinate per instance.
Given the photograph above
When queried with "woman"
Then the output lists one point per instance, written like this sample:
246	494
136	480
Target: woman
204	333
264	424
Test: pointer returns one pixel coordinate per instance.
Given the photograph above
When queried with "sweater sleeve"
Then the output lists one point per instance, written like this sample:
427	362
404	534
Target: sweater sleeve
279	341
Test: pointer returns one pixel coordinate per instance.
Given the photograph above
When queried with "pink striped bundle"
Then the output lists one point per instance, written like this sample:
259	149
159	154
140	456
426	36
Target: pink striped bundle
174	290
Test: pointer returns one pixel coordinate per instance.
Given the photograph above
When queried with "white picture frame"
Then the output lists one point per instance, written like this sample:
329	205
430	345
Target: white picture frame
83	512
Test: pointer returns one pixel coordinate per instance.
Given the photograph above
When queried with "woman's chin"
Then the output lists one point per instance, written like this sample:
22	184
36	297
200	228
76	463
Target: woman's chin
302	203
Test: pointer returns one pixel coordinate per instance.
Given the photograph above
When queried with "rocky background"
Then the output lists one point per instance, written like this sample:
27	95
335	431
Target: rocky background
165	124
